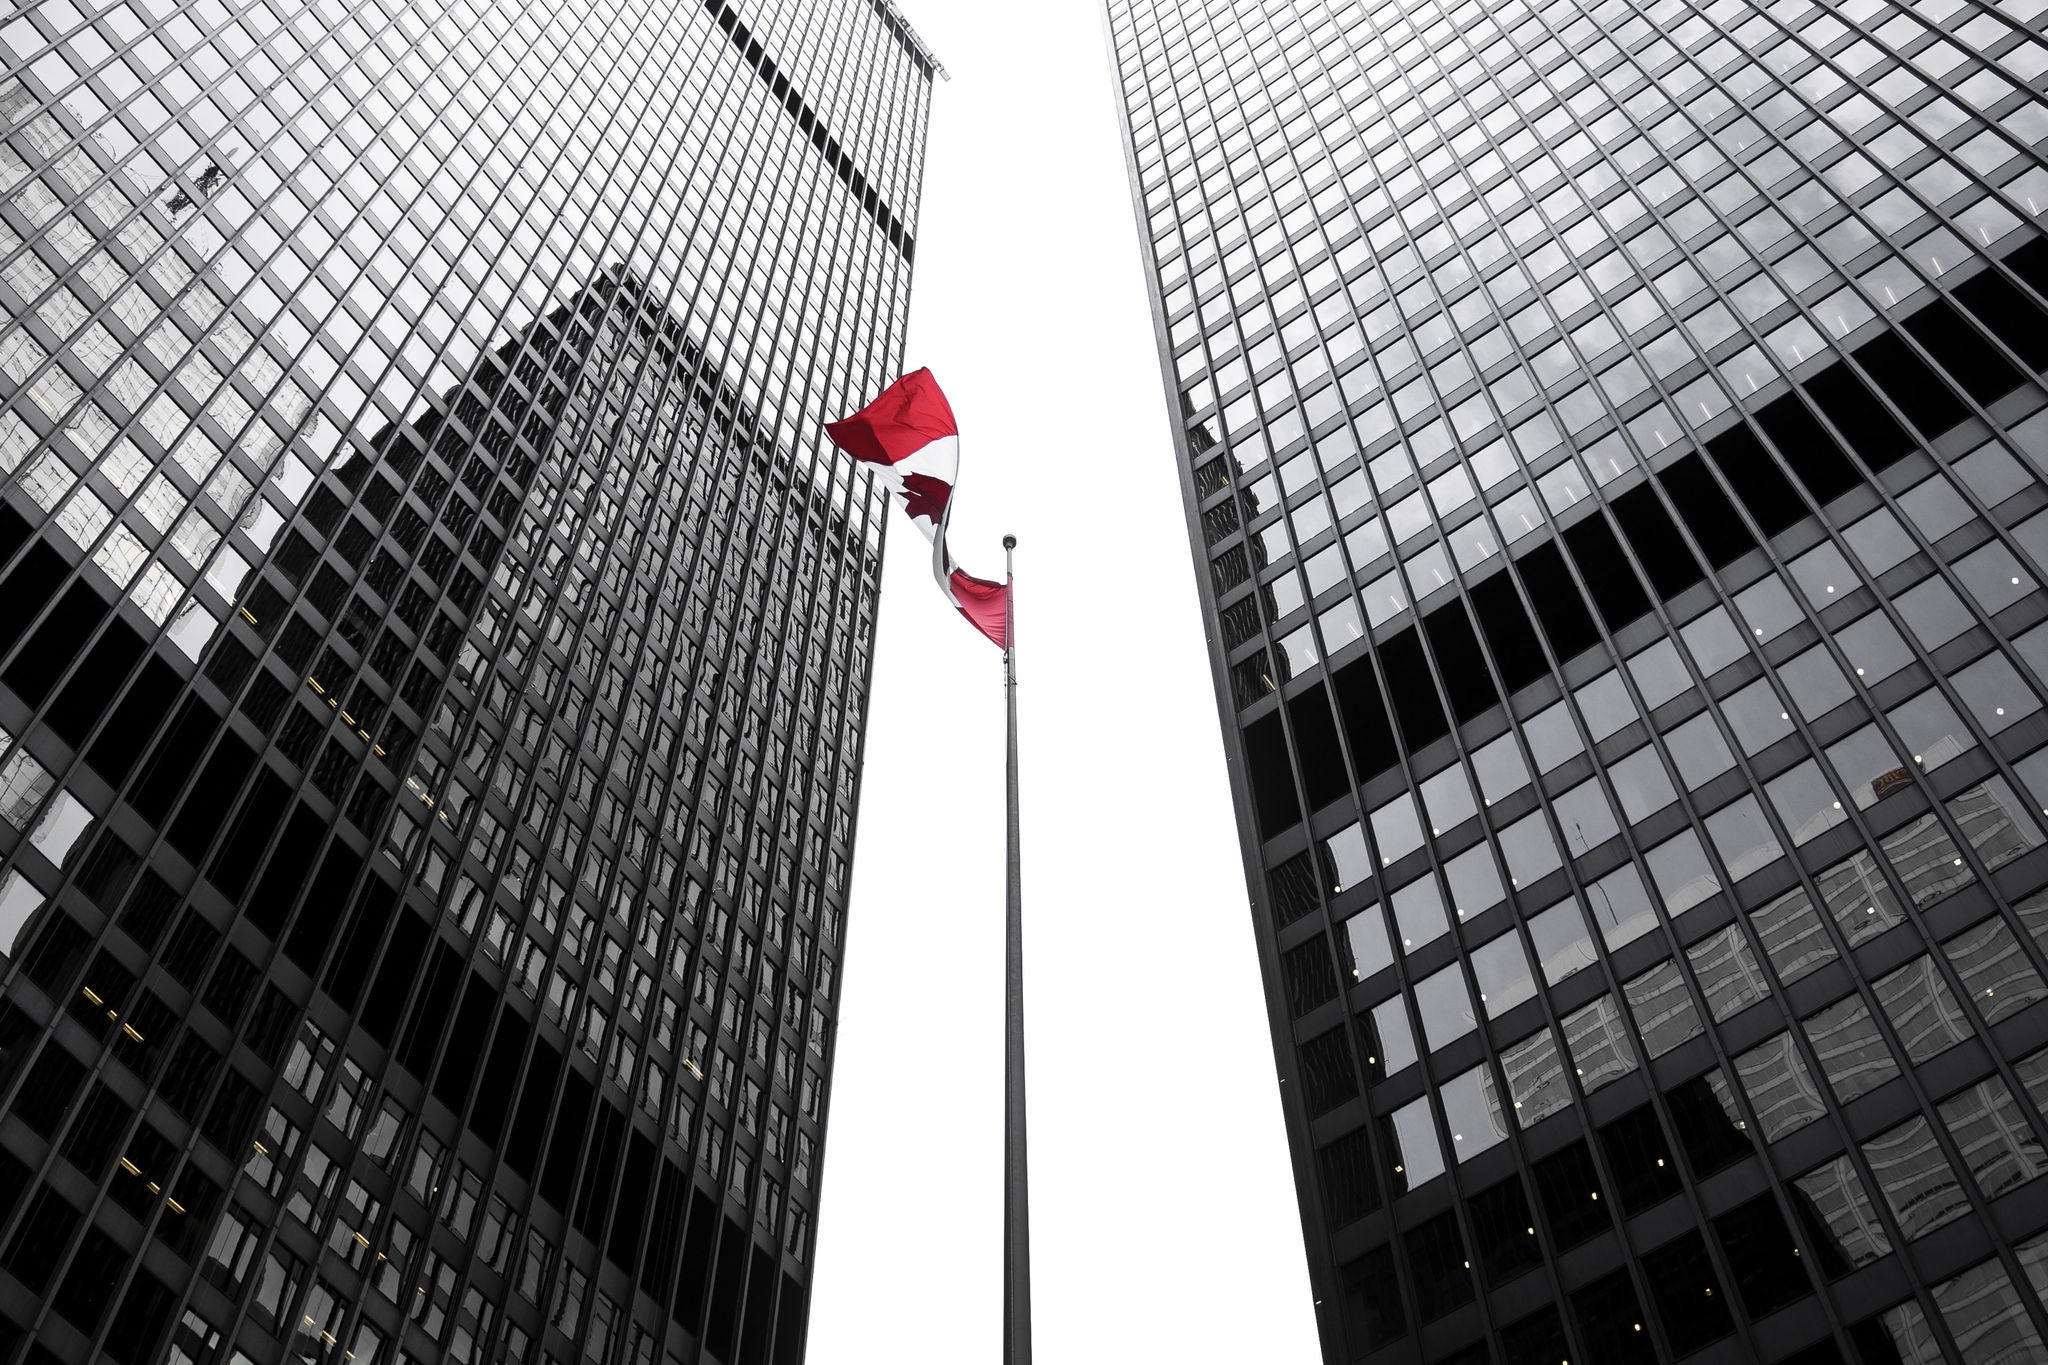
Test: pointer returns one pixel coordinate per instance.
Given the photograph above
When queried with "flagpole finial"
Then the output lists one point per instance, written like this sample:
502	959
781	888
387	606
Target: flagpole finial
1009	542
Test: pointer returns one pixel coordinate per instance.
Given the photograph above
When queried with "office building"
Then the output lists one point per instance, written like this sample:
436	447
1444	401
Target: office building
1613	443
434	642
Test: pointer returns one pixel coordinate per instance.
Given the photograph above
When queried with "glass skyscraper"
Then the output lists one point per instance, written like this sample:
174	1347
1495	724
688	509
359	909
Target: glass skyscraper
434	642
1613	443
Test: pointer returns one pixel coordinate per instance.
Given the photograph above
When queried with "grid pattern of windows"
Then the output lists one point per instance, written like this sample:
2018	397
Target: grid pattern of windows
434	644
1614	448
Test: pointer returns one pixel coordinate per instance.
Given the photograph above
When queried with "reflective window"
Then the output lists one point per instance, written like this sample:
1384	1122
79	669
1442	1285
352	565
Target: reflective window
1852	1052
1804	801
1780	1089
1418	1158
1621	906
1365	935
1345	860
1397	828
1874	647
1680	869
1530	852
1743	838
1729	975
1598	1039
1999	1147
1936	506
1472	1110
1474	882
1500	769
1994	820
1448	799
1419	914
1641	785
1699	751
1921	854
1915	1179
1395	1039
1880	542
1715	641
1815	682
1585	817
1823	575
1553	739
1792	935
1997	978
1767	609
1663	1008
1836	1193
1993	693
1933	612
1868	767
1445	1005
1659	673
1930	729
1757	717
1536	1078
1859	898
1605	704
1922	1010
1501	968
1562	942
1992	576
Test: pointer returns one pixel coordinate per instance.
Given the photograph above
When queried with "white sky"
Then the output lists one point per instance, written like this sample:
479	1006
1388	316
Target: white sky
1163	1216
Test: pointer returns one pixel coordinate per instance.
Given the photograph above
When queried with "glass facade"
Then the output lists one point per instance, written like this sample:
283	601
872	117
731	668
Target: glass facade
1614	444
434	646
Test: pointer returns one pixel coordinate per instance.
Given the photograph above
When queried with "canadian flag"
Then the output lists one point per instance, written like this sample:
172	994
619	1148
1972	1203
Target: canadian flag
908	437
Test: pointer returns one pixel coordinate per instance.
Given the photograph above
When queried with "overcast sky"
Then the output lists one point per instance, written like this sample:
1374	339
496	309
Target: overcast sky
1163	1215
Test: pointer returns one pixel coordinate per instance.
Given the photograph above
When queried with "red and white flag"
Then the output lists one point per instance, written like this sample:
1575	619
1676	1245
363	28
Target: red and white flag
908	437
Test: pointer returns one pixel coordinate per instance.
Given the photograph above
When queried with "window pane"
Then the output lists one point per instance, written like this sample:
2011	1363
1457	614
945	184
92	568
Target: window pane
1997	978
1536	1078
1663	1008
1365	933
1641	785
1999	1147
1597	1036
1395	1037
1792	935
1743	838
1472	1109
1419	914
1915	1178
1852	1052
1837	1195
1417	1157
1805	802
1683	876
1729	975
1922	1009
1501	968
1445	1005
1780	1089
1699	751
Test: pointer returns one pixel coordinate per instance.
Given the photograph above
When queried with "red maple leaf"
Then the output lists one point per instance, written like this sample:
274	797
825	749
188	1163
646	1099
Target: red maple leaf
925	496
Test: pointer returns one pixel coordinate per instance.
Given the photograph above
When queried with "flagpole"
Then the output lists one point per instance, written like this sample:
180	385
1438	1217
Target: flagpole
1016	1167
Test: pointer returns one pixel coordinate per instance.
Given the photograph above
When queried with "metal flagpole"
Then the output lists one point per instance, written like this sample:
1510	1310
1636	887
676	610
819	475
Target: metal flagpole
1016	1167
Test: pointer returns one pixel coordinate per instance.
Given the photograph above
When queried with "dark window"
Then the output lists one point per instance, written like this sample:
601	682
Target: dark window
1690	1300
1569	1187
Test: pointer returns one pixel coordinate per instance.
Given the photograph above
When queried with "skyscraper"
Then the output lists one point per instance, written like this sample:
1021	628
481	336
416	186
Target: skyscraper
433	660
1613	446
